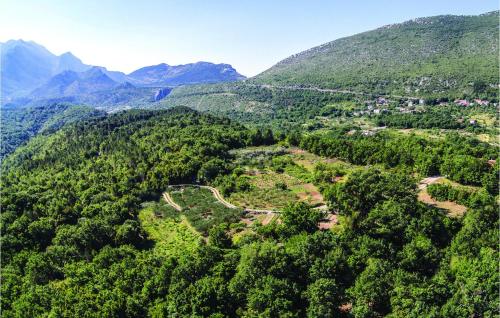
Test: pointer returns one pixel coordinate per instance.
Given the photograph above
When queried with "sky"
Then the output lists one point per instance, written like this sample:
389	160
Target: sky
251	35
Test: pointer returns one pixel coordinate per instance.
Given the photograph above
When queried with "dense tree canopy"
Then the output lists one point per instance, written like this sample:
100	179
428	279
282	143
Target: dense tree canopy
73	245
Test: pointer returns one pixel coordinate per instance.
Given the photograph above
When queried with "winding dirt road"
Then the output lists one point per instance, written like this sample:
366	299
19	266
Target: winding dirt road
171	202
217	195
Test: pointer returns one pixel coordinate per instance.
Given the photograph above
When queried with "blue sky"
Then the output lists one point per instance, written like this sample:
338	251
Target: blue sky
251	35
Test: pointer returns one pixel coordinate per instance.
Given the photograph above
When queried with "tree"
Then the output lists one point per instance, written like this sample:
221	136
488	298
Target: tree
211	169
388	221
370	293
420	255
219	237
324	298
273	297
364	189
464	169
299	217
128	233
475	286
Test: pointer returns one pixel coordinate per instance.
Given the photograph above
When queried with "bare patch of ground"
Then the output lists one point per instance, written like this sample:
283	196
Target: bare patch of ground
454	209
330	221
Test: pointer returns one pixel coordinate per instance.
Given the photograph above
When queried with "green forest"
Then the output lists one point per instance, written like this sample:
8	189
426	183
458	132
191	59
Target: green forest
79	238
20	124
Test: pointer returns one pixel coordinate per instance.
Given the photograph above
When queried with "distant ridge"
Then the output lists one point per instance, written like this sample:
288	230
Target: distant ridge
193	73
30	70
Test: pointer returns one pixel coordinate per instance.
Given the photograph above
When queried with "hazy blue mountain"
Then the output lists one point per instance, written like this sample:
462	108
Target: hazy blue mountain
27	65
193	73
70	83
32	73
67	61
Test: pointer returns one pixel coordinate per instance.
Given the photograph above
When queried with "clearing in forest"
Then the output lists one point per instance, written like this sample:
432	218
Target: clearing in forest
202	208
172	234
454	209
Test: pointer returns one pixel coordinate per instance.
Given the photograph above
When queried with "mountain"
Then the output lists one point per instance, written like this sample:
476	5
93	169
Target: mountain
30	70
426	56
193	73
70	83
67	61
27	65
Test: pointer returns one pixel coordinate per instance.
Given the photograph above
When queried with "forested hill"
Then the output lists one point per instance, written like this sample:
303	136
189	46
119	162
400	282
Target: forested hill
436	56
21	124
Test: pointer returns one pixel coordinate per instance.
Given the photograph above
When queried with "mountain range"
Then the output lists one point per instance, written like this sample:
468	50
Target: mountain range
29	70
435	57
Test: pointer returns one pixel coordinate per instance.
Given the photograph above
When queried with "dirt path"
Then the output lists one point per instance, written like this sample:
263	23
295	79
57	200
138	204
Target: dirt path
269	214
216	194
426	181
171	202
268	218
219	197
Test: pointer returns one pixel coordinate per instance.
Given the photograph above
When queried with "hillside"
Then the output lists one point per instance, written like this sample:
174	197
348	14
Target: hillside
446	56
19	125
437	59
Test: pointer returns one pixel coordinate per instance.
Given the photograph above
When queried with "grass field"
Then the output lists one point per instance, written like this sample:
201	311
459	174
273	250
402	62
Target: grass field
172	235
309	160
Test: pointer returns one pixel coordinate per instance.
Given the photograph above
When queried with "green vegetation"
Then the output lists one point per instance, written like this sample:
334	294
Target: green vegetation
202	209
268	178
76	240
170	236
21	124
85	231
443	56
256	105
461	195
439	117
462	159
